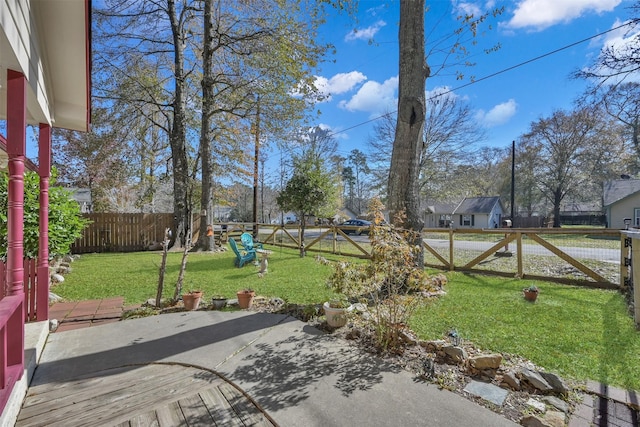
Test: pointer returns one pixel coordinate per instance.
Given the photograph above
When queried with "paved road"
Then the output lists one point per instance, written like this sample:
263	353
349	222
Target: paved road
599	254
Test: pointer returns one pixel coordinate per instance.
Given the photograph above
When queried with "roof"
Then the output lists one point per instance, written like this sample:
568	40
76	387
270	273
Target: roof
441	208
580	207
619	189
477	205
50	43
80	194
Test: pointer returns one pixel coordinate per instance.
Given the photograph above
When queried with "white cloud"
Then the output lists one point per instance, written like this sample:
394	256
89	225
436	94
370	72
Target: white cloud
472	8
374	97
340	83
467	8
440	92
365	33
498	115
541	14
622	41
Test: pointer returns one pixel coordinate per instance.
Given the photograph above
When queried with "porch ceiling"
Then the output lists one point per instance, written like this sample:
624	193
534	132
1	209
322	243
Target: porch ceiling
48	41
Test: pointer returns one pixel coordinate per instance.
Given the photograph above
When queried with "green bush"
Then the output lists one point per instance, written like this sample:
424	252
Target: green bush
65	222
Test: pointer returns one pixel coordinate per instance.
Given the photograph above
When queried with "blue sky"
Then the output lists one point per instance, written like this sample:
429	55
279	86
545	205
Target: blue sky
362	82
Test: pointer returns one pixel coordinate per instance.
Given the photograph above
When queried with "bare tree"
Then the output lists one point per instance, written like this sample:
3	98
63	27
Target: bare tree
617	62
565	143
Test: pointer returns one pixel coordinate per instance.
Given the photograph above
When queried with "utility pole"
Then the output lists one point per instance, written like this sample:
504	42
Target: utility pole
513	178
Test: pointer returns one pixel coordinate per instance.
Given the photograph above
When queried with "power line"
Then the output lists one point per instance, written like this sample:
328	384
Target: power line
537	58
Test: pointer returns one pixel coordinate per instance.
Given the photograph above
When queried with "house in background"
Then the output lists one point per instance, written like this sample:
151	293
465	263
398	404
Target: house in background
438	215
471	212
582	213
621	199
83	197
478	212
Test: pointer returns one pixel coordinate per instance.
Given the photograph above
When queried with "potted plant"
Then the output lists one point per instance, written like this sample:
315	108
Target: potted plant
191	300
218	302
531	293
336	312
245	298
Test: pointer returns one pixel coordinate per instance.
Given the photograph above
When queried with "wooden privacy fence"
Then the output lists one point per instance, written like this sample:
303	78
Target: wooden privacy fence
132	232
122	232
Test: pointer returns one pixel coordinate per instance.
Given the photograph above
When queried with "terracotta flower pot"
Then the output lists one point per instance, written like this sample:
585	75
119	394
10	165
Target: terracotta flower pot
530	295
245	298
191	300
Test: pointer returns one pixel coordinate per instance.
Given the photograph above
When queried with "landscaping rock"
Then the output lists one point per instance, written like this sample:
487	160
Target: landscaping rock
54	298
433	346
487	391
534	421
53	325
536	404
511	380
555	418
486	361
456	354
535	379
559	404
360	307
57	278
556	382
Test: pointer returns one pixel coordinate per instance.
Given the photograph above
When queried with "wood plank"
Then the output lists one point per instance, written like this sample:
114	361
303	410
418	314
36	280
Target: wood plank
99	403
249	413
171	415
44	392
148	419
435	254
222	412
131	404
195	412
563	255
50	393
491	250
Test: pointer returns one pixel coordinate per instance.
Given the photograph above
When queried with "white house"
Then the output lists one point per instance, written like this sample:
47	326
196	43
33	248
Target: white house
478	212
622	200
471	212
438	215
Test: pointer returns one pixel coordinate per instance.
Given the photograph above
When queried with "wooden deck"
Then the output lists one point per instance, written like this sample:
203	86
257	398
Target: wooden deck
142	395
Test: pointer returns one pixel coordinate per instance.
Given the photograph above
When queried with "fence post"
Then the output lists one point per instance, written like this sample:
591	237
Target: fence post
520	274
451	267
632	238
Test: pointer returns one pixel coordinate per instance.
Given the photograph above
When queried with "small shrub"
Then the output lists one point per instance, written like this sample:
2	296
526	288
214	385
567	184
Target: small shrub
390	281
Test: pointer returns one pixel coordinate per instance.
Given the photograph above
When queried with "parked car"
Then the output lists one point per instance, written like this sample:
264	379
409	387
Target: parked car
348	227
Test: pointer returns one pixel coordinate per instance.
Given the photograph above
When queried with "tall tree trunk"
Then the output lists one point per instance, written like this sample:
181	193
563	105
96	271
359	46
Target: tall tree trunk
177	138
206	243
557	199
403	186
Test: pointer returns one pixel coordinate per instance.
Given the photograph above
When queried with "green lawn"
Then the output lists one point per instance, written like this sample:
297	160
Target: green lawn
579	333
135	276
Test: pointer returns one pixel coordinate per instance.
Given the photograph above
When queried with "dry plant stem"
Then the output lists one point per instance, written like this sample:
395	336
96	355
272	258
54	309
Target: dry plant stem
183	267
163	267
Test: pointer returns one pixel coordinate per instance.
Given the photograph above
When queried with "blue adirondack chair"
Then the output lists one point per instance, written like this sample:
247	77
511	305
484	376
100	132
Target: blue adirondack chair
241	257
247	241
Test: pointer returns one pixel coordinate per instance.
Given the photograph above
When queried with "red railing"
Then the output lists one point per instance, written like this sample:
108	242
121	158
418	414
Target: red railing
30	288
15	310
11	344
